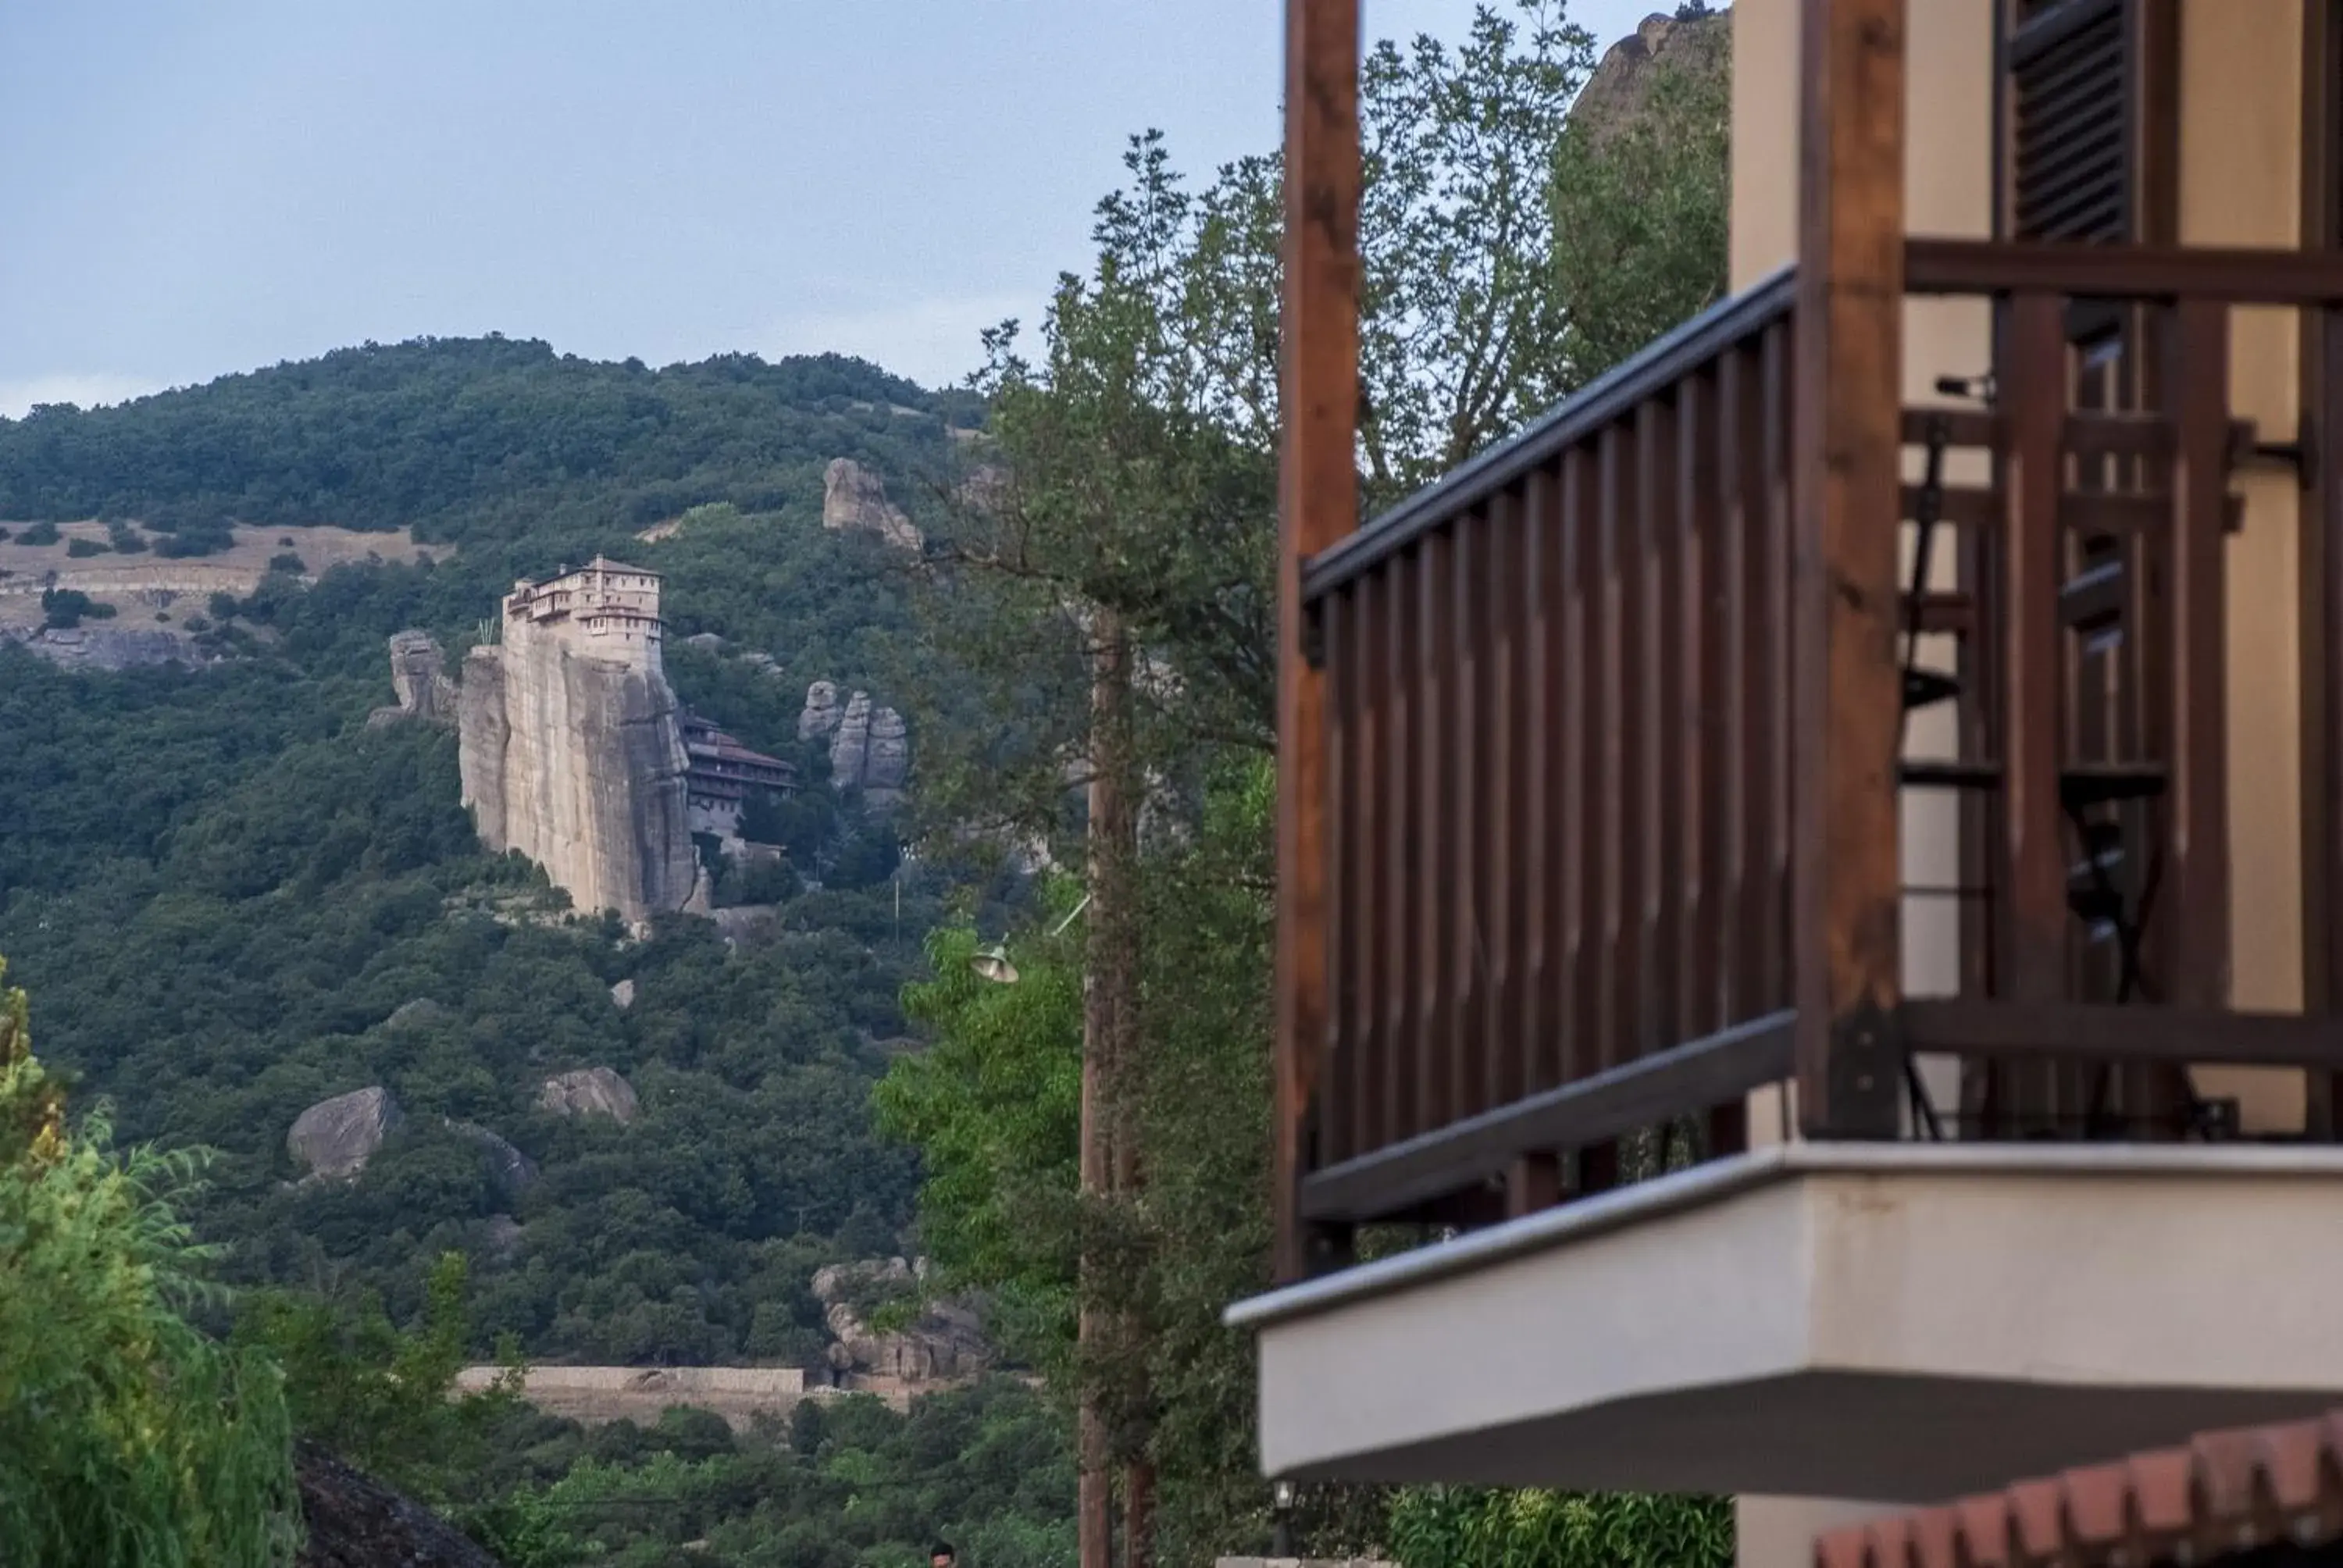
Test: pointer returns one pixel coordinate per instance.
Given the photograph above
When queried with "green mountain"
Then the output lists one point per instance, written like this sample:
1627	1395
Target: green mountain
230	899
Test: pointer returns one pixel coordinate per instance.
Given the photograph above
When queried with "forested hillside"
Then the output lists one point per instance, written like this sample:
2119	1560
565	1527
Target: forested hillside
220	887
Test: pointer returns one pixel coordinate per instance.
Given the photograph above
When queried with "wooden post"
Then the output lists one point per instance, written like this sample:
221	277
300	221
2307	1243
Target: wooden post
1846	877
1318	503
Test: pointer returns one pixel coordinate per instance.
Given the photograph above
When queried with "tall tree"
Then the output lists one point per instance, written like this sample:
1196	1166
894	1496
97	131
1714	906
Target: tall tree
1121	549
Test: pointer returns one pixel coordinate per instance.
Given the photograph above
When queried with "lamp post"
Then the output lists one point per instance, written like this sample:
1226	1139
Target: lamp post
1281	1516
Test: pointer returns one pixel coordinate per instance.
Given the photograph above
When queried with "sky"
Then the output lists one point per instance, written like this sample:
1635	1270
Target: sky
193	187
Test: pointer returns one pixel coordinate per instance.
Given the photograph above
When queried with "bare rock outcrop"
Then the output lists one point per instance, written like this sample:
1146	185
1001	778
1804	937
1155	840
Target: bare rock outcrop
513	1172
622	995
589	1091
418	675
571	744
1620	88
335	1138
356	1522
870	747
852	496
86	648
819	719
945	1341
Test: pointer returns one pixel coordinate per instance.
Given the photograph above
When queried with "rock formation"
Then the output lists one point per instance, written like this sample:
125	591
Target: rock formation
852	496
870	747
86	648
418	675
513	1172
589	1091
945	1341
819	720
1615	95
623	994
337	1137
571	748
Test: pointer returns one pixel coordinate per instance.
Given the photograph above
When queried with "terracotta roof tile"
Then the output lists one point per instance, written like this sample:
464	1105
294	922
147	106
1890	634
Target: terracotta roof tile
2232	1490
2095	1503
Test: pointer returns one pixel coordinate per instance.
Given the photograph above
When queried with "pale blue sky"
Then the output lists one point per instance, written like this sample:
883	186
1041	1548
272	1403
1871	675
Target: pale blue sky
195	186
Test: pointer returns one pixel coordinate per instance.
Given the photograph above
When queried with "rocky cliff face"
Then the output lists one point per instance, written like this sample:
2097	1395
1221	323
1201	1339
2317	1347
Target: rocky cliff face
870	747
577	762
852	496
1614	96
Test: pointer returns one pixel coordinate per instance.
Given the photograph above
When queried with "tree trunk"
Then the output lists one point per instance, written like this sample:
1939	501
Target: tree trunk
1111	1026
1106	1013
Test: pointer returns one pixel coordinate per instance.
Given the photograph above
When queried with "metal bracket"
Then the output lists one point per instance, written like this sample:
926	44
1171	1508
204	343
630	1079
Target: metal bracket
1866	1075
1313	638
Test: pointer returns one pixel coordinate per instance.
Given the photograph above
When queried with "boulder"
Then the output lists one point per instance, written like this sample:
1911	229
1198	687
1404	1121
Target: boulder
335	1138
887	758
852	496
623	994
513	1172
945	1341
590	1092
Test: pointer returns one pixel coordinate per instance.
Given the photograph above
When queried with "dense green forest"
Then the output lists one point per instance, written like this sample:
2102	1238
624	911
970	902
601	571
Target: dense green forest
221	886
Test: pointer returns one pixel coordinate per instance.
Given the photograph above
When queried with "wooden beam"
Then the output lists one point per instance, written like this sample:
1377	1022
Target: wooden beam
1318	503
1844	873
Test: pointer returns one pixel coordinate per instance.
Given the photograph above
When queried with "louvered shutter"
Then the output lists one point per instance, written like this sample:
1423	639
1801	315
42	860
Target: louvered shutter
2075	90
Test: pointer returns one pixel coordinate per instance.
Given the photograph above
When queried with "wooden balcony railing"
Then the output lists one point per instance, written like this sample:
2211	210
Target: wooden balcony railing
1561	748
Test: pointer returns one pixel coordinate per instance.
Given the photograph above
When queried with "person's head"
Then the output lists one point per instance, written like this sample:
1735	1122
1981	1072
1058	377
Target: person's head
942	1555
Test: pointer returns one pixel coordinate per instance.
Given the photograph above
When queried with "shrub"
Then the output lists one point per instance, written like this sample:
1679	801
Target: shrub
39	534
81	549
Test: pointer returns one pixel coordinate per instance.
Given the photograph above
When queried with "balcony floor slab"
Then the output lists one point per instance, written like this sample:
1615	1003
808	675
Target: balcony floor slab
1894	1322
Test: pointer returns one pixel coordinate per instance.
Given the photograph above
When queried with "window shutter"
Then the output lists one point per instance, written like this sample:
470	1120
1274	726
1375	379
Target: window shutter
2074	82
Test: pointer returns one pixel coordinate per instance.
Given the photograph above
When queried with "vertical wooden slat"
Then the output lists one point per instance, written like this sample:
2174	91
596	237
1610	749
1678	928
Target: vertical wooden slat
1318	503
1618	731
1400	891
1337	1131
1368	706
2031	909
2321	535
2197	963
1743	507
1850	291
1660	655
1436	880
1576	889
1700	813
1542	794
1772	797
2322	568
1509	751
1468	697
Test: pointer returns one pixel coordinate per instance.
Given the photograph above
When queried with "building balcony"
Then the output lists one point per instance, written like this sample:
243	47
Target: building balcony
1780	1042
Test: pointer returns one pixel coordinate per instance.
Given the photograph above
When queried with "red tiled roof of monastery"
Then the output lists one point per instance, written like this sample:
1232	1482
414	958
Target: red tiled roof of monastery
2223	1492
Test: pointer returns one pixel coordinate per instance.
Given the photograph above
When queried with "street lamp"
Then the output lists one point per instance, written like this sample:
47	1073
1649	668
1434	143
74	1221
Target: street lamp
992	962
1281	1515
